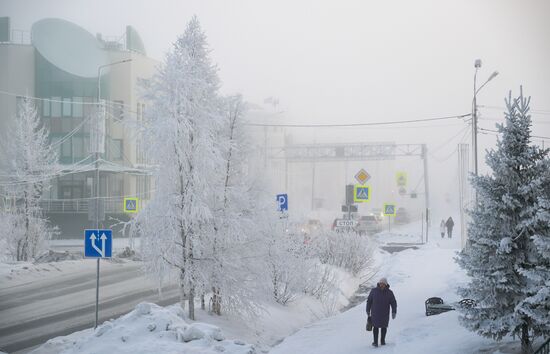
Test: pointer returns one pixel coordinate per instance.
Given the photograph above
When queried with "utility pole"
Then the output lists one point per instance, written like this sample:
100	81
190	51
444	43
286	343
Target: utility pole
426	180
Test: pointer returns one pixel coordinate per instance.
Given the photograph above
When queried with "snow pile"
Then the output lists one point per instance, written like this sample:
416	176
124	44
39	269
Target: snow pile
147	329
56	256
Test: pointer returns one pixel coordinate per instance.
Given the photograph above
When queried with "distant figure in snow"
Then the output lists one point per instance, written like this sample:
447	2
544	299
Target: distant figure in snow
442	228
379	302
450	224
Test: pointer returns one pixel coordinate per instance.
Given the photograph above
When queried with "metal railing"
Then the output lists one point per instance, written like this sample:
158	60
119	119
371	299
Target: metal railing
544	348
112	205
19	37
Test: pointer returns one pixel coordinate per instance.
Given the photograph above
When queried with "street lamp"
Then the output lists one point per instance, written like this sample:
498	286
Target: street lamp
477	65
97	152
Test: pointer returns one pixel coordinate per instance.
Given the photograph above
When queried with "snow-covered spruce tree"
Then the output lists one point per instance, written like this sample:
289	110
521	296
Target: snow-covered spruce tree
183	121
507	253
30	161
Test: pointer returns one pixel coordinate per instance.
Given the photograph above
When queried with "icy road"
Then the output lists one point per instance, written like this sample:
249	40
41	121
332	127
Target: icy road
36	310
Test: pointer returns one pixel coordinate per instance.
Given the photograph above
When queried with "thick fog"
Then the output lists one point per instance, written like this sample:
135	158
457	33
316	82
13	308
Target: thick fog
337	62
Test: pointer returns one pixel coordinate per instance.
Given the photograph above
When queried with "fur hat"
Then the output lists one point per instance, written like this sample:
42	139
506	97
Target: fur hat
383	281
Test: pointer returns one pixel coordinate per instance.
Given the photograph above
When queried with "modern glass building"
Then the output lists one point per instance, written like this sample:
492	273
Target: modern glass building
59	63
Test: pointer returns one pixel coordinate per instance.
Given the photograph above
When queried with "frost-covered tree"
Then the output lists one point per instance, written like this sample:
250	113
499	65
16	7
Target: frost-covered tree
507	254
183	123
30	161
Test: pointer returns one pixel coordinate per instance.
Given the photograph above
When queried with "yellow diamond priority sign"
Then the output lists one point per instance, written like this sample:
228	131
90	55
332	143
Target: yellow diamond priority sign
362	176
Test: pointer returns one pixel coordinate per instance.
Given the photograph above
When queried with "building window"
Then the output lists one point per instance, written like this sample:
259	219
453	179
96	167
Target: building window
77	107
116	185
78	147
116	149
45	108
118	109
56	145
56	107
66	107
66	151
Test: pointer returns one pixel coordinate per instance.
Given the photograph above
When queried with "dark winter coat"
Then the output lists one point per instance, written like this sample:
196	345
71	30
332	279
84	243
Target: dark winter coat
378	306
450	223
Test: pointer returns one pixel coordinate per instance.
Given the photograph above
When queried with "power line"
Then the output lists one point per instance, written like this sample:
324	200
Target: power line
357	124
535	111
498	133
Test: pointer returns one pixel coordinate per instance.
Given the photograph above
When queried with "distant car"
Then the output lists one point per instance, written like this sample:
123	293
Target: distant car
312	226
402	216
369	224
294	228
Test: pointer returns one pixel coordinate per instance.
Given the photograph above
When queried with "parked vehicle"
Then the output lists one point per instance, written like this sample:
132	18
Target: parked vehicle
369	224
402	216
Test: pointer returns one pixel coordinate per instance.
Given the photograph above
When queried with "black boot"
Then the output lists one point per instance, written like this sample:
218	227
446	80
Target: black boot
383	339
375	335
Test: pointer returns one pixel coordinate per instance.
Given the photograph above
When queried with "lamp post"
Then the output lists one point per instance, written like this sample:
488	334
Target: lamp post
97	152
477	65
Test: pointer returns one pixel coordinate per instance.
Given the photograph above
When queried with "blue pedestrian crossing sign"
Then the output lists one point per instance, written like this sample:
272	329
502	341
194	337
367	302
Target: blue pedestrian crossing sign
282	202
389	209
98	243
131	205
361	193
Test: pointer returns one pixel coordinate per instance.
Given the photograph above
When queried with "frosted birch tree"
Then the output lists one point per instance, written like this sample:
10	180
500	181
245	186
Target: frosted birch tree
507	254
183	122
30	161
235	211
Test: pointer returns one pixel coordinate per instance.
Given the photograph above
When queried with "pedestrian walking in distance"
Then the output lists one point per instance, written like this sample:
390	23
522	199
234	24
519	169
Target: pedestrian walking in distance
442	228
379	302
450	224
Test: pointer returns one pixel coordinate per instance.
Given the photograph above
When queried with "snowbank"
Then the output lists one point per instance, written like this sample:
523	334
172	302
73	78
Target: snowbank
147	329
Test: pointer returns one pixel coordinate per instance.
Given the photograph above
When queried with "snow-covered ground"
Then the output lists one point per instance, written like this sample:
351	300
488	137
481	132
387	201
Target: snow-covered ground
147	329
414	276
273	324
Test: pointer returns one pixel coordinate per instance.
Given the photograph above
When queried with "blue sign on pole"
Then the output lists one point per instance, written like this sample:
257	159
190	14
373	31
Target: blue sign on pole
98	243
282	202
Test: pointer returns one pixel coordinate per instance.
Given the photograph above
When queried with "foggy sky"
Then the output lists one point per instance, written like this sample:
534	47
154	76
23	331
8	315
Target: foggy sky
350	61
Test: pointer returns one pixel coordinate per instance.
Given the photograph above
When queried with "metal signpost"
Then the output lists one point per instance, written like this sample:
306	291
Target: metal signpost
389	211
98	244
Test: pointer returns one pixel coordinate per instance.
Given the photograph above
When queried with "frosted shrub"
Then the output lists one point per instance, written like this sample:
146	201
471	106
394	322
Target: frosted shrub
346	250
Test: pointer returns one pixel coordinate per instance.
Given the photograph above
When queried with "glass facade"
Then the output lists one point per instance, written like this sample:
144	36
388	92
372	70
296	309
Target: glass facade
68	100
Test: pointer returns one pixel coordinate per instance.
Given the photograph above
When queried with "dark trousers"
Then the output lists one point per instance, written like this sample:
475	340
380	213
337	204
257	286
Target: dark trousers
450	232
375	334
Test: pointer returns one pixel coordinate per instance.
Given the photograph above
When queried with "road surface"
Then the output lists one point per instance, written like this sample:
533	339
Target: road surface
35	311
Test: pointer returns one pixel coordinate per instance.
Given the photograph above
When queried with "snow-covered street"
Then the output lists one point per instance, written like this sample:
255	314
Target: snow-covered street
414	276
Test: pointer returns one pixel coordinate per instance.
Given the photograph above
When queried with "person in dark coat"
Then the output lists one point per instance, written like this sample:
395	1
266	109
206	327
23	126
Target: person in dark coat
450	224
379	302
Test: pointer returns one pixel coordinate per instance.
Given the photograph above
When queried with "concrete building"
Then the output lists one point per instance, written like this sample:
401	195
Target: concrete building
58	62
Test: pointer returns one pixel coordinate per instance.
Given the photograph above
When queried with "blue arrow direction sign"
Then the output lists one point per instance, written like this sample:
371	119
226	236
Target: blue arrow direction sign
282	202
98	243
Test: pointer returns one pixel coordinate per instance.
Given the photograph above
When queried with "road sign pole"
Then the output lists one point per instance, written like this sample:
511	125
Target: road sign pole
389	227
97	296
